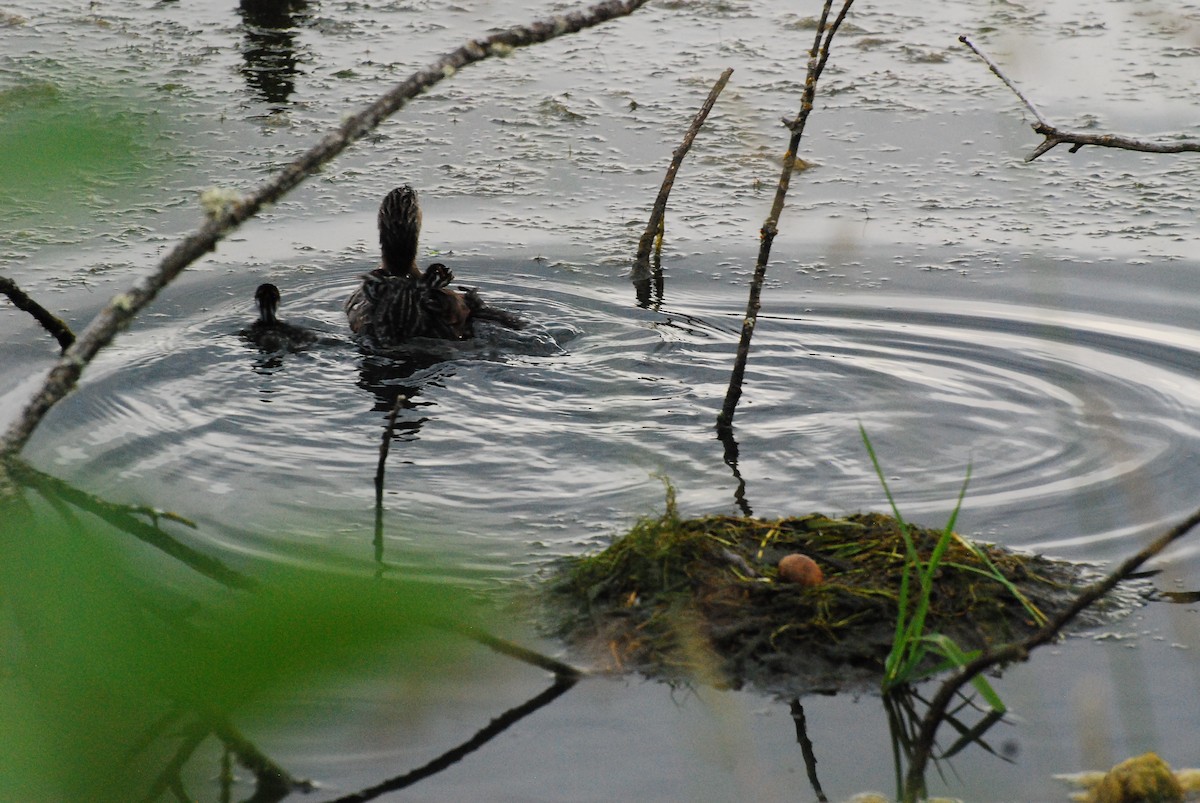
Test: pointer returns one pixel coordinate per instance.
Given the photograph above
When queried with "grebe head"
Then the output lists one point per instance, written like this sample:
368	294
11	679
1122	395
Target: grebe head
399	229
267	298
268	332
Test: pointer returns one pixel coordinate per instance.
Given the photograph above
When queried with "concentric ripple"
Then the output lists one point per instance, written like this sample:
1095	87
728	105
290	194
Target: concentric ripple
1076	426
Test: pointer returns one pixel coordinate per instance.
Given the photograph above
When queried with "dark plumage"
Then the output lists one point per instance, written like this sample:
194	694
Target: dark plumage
268	332
397	302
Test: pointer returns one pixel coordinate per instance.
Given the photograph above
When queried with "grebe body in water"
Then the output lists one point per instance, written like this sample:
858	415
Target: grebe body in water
397	302
268	332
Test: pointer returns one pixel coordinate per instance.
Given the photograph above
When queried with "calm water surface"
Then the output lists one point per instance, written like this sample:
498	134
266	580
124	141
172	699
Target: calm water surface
1035	322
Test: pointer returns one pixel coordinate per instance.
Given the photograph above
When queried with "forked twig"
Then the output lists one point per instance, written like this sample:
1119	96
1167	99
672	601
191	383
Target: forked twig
1019	651
818	57
232	212
1077	139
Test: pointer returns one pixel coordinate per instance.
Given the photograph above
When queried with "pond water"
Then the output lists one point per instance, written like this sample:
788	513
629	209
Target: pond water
1033	321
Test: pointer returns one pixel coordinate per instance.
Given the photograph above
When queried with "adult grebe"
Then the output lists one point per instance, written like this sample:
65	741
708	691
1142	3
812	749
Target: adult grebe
268	332
397	302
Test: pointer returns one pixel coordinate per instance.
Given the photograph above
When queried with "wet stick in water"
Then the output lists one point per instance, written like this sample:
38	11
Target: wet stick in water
818	57
654	229
228	210
1077	139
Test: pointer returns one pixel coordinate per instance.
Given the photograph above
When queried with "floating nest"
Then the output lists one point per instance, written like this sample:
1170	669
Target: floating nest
704	599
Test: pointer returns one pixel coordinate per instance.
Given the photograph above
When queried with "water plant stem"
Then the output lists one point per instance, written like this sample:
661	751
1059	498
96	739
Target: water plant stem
910	640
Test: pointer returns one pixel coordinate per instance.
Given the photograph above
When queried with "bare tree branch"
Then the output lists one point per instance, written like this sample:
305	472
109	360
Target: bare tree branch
49	321
1077	139
231	211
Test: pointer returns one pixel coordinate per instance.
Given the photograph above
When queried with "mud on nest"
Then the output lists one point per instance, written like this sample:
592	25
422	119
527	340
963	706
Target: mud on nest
685	599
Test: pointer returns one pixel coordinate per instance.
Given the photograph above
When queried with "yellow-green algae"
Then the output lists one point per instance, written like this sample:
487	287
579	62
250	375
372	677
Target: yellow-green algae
1142	779
685	598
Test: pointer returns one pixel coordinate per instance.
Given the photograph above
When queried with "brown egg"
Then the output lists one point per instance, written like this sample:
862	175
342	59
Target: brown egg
802	569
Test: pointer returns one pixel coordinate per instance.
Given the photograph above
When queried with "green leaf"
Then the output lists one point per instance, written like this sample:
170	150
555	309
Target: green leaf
99	647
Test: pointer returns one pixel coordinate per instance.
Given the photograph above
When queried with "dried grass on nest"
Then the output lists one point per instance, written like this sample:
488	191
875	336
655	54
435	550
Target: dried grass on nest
676	597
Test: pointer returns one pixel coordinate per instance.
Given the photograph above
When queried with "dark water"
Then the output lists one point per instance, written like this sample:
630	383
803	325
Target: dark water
1032	321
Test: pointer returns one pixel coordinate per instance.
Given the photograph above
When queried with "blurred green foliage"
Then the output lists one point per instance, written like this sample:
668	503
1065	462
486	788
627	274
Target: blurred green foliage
108	648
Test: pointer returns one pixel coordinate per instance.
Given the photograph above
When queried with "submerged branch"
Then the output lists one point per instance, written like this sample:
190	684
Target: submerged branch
49	321
818	57
227	213
1077	139
1019	651
641	262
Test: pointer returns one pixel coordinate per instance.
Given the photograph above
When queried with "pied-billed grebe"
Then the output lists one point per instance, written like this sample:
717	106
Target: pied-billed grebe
396	301
268	332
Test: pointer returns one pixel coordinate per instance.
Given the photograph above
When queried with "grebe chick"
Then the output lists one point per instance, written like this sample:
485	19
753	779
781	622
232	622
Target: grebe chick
268	332
396	301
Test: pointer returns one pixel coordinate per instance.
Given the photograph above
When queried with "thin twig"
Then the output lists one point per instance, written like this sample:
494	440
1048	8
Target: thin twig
1077	139
1019	651
995	68
818	57
122	309
641	262
49	321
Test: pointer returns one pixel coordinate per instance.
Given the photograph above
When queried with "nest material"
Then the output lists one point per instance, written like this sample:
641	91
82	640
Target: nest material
699	598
